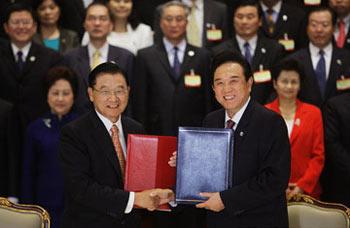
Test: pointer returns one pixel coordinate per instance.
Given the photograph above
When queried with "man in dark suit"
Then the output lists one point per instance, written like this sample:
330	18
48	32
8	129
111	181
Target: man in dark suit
341	31
323	62
337	133
284	23
209	24
92	154
261	166
23	65
172	86
98	24
262	53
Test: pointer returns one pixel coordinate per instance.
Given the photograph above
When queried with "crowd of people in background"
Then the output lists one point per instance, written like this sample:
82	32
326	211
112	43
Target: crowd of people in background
299	56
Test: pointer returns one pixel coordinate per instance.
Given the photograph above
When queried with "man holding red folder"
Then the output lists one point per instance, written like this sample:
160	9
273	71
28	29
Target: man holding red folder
91	153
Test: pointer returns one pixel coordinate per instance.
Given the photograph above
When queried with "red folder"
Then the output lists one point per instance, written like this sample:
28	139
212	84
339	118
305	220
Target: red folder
147	163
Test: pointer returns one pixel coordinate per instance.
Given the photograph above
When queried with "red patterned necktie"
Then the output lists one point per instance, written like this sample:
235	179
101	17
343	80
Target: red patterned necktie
342	35
118	148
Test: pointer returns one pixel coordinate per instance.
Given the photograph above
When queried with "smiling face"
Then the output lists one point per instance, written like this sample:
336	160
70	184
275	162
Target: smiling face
230	87
121	8
320	28
48	12
60	97
287	85
110	95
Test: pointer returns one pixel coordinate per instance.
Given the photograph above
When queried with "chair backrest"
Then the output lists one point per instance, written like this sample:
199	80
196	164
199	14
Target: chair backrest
22	216
307	212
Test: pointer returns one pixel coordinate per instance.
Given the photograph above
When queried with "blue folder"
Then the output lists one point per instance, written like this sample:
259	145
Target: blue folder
204	162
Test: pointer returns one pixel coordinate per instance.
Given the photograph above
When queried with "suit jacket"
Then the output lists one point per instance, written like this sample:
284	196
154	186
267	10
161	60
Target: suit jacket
307	147
214	13
267	53
310	91
261	170
291	21
68	40
337	130
92	179
78	60
163	103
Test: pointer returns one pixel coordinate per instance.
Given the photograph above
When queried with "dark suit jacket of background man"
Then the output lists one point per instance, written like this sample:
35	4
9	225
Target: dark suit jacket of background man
337	133
163	103
78	60
214	13
261	170
92	178
8	148
291	21
267	53
25	90
310	91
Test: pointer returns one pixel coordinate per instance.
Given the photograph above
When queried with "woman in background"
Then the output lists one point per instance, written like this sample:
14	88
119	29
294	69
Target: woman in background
42	180
305	129
127	32
49	33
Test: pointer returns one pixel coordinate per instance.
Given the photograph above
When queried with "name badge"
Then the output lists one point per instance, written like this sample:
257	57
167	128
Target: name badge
343	84
262	76
213	34
288	44
312	2
193	80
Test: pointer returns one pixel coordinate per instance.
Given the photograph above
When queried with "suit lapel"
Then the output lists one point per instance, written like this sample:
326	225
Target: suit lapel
11	62
297	123
242	127
187	60
259	54
163	59
84	63
31	59
334	72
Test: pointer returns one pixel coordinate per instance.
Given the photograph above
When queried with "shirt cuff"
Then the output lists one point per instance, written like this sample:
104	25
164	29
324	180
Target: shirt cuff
130	204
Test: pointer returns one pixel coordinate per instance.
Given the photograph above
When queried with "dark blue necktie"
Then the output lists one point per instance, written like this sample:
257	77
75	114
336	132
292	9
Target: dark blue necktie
321	72
247	54
176	63
20	62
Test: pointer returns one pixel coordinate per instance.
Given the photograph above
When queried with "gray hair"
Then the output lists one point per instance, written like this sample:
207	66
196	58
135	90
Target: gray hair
161	8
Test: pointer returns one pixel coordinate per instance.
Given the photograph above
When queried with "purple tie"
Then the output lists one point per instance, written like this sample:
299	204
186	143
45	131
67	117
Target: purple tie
230	124
176	64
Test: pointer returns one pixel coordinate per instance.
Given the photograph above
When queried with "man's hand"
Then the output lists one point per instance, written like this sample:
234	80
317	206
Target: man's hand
151	199
172	160
214	203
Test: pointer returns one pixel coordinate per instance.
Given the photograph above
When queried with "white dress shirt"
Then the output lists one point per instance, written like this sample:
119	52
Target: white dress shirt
276	10
252	44
237	117
315	56
25	51
169	47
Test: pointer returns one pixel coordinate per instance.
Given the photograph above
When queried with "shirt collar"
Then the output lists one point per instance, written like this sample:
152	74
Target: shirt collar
346	20
276	8
237	117
169	46
108	124
103	50
314	51
25	50
199	3
252	42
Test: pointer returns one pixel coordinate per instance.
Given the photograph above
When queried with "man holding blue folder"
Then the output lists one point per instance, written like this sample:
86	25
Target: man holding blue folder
261	165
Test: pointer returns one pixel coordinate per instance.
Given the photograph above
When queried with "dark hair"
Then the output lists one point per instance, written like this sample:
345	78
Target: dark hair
58	73
288	65
100	3
133	18
321	9
17	7
234	57
252	3
36	4
106	68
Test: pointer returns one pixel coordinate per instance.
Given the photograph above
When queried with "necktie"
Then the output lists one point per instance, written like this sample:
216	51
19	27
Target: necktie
193	36
20	62
96	59
342	35
176	63
230	124
118	148
247	54
270	21
321	72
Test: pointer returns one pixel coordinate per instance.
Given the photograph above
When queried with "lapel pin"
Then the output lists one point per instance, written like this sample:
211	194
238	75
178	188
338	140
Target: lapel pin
112	62
263	50
47	122
241	133
32	58
285	17
190	53
297	122
339	62
208	25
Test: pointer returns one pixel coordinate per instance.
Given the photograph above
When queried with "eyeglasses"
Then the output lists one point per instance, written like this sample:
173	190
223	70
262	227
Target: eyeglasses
97	18
25	22
109	93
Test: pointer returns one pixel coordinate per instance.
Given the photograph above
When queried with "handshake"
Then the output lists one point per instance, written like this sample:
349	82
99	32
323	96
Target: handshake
153	198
